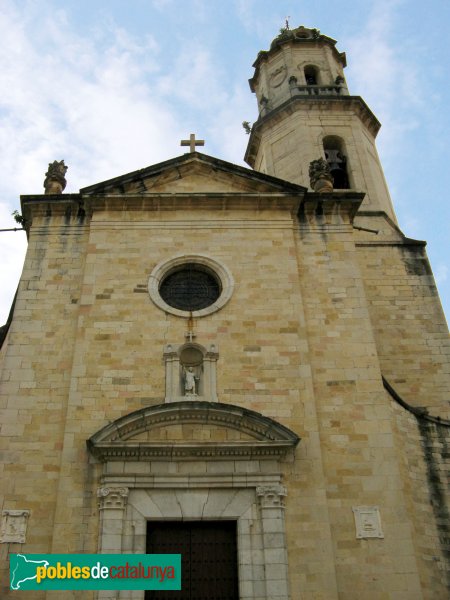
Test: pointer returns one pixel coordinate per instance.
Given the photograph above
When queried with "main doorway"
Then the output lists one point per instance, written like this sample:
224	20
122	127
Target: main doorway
208	558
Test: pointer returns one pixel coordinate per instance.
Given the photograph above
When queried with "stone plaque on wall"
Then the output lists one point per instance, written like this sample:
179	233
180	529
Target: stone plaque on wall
367	522
14	526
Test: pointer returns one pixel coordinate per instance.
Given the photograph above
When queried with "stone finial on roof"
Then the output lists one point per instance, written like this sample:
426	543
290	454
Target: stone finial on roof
320	176
55	180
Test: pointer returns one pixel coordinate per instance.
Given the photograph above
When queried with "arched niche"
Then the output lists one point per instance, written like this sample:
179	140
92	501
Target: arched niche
190	372
336	157
311	73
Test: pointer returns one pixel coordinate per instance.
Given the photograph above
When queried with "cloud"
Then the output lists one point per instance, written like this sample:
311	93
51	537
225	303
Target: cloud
161	5
387	76
193	78
77	100
265	23
86	99
386	72
99	99
245	10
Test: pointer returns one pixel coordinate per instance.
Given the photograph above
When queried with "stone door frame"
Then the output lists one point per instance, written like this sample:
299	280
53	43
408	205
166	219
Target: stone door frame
240	480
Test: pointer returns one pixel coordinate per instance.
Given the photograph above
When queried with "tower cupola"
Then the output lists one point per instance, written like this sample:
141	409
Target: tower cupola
303	58
305	112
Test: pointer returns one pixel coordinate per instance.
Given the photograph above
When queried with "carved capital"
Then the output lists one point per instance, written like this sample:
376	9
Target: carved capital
170	351
320	176
212	352
14	526
271	496
113	498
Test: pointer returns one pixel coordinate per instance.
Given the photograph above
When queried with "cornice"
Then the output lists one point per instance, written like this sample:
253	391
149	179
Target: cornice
335	208
80	205
195	201
301	103
270	438
186	164
113	451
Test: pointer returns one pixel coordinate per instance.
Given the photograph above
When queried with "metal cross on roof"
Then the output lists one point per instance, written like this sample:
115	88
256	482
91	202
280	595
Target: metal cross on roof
192	142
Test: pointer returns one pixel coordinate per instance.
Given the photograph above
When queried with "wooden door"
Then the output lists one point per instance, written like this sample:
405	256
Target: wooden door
208	558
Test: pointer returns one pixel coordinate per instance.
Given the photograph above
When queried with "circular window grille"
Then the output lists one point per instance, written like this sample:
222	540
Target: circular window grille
191	287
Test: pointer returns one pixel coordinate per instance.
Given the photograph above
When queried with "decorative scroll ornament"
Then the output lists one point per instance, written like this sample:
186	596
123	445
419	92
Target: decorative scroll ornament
278	76
114	498
271	496
55	180
14	526
320	176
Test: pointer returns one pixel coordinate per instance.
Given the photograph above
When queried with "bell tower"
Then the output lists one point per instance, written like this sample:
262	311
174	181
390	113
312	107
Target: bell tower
306	112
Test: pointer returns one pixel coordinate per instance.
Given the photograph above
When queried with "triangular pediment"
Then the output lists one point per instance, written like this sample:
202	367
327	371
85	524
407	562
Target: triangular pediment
193	173
192	429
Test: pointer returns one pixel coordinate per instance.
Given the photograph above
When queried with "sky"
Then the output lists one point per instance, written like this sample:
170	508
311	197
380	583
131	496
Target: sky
112	86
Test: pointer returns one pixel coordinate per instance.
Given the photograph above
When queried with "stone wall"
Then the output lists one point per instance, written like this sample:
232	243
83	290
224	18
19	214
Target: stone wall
302	340
36	376
423	446
408	322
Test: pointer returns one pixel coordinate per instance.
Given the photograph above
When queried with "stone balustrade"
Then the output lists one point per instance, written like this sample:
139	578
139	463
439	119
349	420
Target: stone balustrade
318	90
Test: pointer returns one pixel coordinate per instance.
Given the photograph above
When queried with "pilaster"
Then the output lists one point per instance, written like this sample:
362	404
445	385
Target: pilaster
355	426
271	504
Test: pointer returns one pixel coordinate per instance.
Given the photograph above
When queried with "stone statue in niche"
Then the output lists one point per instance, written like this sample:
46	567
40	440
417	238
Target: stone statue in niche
191	372
190	380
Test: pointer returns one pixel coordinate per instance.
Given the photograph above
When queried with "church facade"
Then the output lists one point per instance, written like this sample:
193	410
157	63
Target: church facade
249	362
